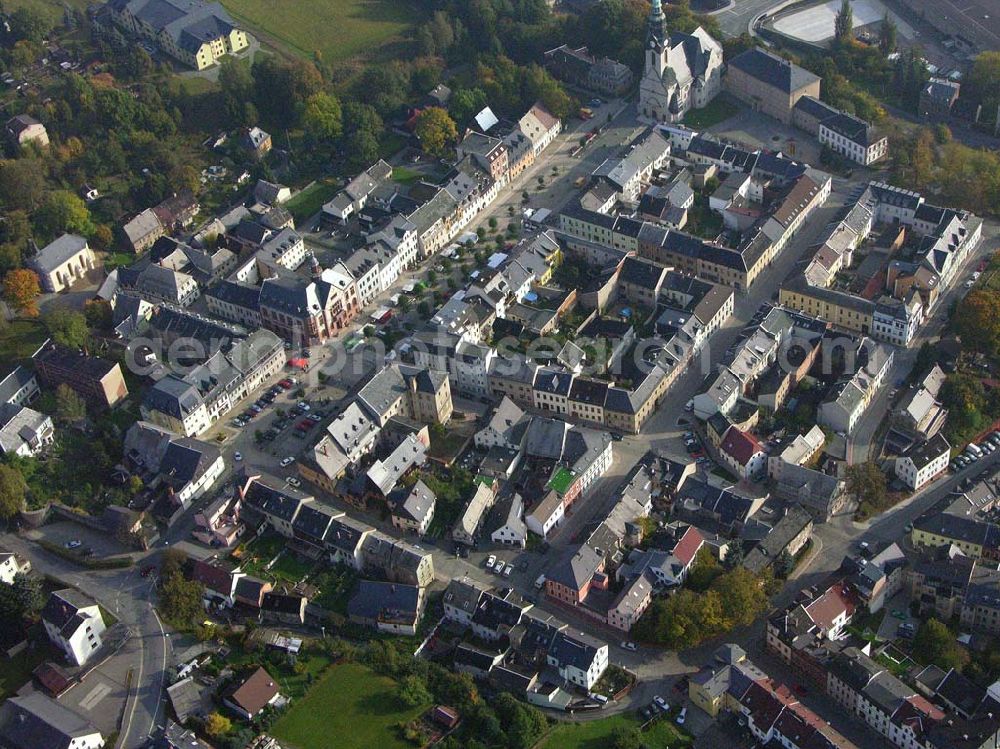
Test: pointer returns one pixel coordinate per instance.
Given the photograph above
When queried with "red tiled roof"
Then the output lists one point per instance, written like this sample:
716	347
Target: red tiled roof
686	549
739	445
214	575
763	705
834	602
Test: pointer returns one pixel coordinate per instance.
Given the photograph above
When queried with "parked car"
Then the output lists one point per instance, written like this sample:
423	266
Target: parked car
74	544
303	406
499	566
287	461
682	716
490	561
237	457
315	418
508	570
661	703
292	481
631	646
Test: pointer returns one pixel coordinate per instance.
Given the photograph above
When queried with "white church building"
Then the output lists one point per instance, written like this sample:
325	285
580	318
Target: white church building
683	71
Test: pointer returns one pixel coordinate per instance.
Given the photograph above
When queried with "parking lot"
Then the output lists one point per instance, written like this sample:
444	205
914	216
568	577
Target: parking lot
79	538
974	452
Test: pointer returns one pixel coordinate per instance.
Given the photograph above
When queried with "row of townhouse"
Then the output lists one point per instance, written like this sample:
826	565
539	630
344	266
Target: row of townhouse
849	398
524	641
325	532
191	402
776	340
911	287
389	410
732	683
807	636
737	267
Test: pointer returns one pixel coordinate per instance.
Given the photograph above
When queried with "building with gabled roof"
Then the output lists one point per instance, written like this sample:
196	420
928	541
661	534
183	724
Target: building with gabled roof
33	721
74	624
249	697
743	454
461	600
569	578
579	658
412	508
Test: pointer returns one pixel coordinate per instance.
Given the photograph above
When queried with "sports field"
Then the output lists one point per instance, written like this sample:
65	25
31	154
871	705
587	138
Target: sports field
338	29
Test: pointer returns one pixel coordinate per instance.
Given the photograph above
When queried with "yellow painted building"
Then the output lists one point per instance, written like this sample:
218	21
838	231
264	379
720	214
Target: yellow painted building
842	310
197	34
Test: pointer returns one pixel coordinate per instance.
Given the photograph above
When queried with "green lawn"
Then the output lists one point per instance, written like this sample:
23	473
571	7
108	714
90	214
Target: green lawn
597	734
254	556
308	201
338	30
405	176
19	339
351	703
721	108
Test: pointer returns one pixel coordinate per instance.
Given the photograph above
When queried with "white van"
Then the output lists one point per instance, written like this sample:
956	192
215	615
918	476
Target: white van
540	582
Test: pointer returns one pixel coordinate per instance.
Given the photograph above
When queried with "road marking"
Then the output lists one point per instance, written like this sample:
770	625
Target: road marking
95	695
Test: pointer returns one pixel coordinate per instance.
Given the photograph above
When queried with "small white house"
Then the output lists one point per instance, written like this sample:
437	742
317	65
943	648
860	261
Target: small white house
923	461
579	658
12	565
73	623
512	530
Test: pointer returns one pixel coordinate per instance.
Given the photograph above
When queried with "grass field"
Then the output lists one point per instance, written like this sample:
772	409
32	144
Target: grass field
721	108
51	8
597	734
337	29
308	201
351	703
19	339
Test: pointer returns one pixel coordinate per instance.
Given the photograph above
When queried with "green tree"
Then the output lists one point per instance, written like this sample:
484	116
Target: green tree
98	314
843	25
70	407
66	327
22	184
626	737
982	83
465	103
13	491
977	320
63	211
181	600
436	130
29	24
237	85
934	643
322	117
704	571
887	35
868	485
413	692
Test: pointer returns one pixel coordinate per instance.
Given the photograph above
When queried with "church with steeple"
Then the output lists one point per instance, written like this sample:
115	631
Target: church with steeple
683	71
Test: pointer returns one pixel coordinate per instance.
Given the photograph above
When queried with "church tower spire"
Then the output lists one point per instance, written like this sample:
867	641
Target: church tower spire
657	25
